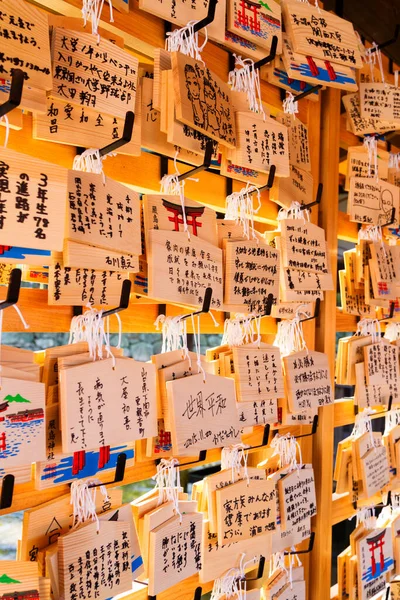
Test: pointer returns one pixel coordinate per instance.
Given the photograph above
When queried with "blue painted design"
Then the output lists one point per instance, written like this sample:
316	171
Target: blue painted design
136	563
388	564
323	75
22	253
63	470
294	84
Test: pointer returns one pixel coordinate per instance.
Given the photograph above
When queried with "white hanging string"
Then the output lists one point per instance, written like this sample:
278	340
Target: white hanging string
394	159
290	106
240	208
392	420
7	126
286	447
244	564
289	337
366	516
292	559
370	327
245	78
277	563
168	483
91	11
242	329
228	586
234	457
392	332
371	145
89	327
372	57
372	233
83	500
295	211
186	41
90	161
362	425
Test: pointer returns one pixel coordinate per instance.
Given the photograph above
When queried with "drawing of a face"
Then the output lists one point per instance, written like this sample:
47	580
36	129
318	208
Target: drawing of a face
210	96
192	83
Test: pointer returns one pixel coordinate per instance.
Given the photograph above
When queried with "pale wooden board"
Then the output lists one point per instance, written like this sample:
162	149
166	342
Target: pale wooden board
258	373
32	49
162	62
203	413
51	355
250	264
353	304
77	287
43	525
358	164
124	408
298	187
43	219
175	12
166	283
380	101
24	440
257	22
371	201
165	571
293	488
303	246
202	100
33	99
361	125
261	144
276	74
306	285
298	66
228	169
77	24
24	576
257	500
287	310
165	212
308	380
299	151
103	213
73	60
85	256
228	230
367	586
381	363
62	122
306	24
257	412
83	545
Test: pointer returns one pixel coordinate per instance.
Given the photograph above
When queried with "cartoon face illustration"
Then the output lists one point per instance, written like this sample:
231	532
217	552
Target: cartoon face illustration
209	95
192	83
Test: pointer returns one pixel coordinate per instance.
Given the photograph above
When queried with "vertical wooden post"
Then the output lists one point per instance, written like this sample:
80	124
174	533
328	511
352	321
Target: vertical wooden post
320	572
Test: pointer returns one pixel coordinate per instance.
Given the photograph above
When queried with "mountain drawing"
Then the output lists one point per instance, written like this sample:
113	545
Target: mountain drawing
16	398
6	579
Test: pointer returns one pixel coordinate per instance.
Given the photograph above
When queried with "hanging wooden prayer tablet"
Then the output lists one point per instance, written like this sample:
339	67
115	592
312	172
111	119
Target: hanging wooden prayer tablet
35	194
105	555
374	466
257	22
245	510
359	165
170	213
298	187
303	246
203	413
175	551
258	373
308	380
374	560
371	201
177	12
77	56
258	412
103	404
19	579
299	152
353	303
180	270
261	143
297	500
22	424
381	363
85	256
251	274
380	101
363	125
103	213
308	28
202	100
369	395
292	591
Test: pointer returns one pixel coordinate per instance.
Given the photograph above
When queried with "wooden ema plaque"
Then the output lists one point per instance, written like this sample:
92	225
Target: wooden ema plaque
85	256
103	213
245	510
258	373
374	552
98	75
252	273
362	125
180	270
202	100
33	202
229	169
19	579
64	123
106	406
203	413
260	144
303	246
299	152
358	164
381	363
177	12
166	213
380	101
258	412
25	43
353	303
297	497
315	70
371	201
22	423
320	34
298	187
369	395
257	22
175	551
105	554
308	380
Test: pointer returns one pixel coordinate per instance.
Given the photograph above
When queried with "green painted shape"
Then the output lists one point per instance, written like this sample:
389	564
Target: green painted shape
16	398
6	579
265	5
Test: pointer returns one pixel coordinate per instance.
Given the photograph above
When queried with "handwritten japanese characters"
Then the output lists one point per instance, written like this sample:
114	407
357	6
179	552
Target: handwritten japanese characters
299	152
176	11
252	273
103	213
180	270
103	404
202	100
24	34
371	201
321	34
297	497
32	202
257	21
359	165
361	125
245	510
308	380
93	74
374	466
105	554
258	373
261	144
203	413
380	101
381	363
303	246
298	187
